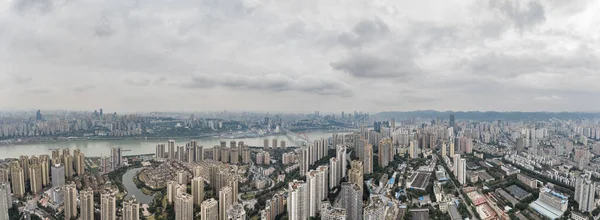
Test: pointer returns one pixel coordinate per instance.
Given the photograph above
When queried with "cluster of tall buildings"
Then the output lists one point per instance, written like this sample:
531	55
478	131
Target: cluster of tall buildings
236	153
191	152
108	207
275	144
308	155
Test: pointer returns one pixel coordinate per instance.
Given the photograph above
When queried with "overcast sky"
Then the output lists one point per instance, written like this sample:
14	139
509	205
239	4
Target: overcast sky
300	55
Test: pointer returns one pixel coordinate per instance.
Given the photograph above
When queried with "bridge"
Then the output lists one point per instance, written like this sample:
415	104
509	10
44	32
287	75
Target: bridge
301	139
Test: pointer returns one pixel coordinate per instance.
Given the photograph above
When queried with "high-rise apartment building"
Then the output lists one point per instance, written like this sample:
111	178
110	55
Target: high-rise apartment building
86	198
70	200
79	162
245	154
209	210
384	152
58	175
236	212
585	190
199	153
225	200
298	204
317	189
351	200
24	162
368	159
334	179
329	212
4	205
356	173
198	190
68	162
184	207
444	149
17	180
181	153
131	209
182	177
108	208
224	154
462	172
375	210
172	149
35	178
412	150
159	153
45	165
274	143
266	144
234	156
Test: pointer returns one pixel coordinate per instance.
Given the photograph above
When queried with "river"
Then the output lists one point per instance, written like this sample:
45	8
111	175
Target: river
132	188
96	148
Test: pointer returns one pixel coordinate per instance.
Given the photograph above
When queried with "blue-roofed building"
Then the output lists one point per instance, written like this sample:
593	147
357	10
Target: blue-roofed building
550	203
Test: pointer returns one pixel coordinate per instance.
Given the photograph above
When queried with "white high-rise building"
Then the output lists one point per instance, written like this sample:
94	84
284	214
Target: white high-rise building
462	172
317	186
4	205
108	206
198	190
86	208
209	210
455	164
351	200
225	200
585	190
298	203
184	207
58	175
70	193
333	173
131	209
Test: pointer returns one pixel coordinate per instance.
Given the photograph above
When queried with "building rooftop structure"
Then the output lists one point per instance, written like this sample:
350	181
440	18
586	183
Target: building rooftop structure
517	192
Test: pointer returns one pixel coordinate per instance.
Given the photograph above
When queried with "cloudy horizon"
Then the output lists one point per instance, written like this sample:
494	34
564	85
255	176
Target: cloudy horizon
300	56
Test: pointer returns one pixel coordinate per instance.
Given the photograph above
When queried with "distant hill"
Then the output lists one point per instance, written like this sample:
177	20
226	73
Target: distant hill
488	116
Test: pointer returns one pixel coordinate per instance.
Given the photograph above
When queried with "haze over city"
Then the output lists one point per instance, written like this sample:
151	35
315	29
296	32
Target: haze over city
299	56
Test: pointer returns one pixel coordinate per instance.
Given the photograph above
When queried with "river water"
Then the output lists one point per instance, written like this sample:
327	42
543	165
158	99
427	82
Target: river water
95	148
132	189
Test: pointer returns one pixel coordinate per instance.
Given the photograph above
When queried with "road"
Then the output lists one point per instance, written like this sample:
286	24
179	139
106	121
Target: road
460	194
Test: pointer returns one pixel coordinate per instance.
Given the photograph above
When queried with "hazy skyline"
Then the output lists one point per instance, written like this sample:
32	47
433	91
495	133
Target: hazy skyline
299	56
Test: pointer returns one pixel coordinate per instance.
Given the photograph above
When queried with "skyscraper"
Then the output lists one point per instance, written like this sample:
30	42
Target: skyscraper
4	205
198	190
182	177
108	206
274	143
131	209
236	212
79	163
24	162
245	154
235	156
225	200
351	200
160	151
585	190
70	193
297	204
317	186
266	144
368	159
209	210
35	181
181	153
184	209
68	160
45	165
451	120
462	172
452	147
172	148
455	164
224	154
86	197
303	160
334	179
356	173
199	153
17	180
412	150
384	152
443	149
58	175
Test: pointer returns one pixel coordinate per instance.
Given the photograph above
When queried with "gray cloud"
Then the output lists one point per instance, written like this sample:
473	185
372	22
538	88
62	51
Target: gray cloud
363	32
363	65
273	82
22	79
473	52
83	88
523	14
